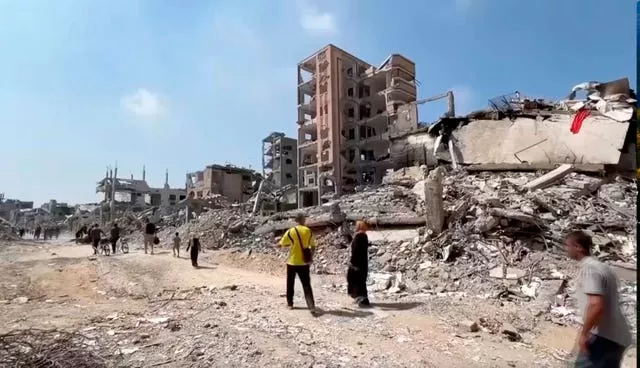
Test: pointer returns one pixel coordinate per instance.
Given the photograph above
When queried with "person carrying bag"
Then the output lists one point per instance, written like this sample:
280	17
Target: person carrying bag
300	241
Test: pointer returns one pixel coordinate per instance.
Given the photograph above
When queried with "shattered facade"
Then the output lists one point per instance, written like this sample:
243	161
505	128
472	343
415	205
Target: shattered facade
57	209
345	110
10	206
235	183
280	159
136	192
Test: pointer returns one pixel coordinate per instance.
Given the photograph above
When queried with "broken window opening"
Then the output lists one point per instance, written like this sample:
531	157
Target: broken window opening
288	176
365	111
364	91
351	112
352	133
350	72
350	92
288	161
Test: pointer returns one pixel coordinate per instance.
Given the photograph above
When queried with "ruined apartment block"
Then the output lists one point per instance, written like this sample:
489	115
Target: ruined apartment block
280	160
234	183
346	111
136	192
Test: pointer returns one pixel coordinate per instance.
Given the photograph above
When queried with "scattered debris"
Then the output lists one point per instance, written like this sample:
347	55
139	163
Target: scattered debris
51	348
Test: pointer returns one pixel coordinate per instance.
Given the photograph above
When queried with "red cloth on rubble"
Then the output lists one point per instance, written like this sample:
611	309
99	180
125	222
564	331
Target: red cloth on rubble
578	119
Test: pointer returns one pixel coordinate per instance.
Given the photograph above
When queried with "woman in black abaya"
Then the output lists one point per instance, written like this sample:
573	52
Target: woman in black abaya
359	266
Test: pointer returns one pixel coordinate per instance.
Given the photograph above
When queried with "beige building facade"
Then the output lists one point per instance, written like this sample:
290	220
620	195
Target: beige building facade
347	109
235	183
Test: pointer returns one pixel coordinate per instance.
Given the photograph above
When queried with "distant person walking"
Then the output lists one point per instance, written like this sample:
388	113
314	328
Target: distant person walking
80	233
195	248
149	236
96	235
359	266
115	235
21	232
176	245
605	333
36	233
300	241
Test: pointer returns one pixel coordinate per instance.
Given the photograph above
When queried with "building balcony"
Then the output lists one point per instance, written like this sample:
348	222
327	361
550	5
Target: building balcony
400	90
308	87
308	146
398	61
375	140
378	119
309	107
308	126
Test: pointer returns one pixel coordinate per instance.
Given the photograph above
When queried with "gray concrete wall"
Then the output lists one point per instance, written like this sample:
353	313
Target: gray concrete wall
487	142
599	141
413	149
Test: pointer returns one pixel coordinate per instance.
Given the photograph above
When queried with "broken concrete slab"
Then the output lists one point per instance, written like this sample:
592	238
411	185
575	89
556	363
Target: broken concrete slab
392	235
532	141
512	273
549	178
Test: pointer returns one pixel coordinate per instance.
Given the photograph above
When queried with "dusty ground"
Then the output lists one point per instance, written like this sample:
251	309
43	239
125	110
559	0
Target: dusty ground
158	311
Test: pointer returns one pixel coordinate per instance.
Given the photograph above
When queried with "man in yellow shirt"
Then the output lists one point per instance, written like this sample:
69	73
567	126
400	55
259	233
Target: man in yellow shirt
300	241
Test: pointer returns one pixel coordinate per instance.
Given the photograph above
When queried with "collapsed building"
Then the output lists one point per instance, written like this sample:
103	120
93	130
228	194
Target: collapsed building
519	133
10	207
346	109
237	184
136	192
278	190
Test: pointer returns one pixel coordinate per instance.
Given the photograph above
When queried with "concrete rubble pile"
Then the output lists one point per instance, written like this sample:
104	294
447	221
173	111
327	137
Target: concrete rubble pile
218	228
7	231
502	235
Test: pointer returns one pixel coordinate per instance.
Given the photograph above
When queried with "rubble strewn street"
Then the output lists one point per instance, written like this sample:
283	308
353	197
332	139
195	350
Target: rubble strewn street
493	224
467	265
138	310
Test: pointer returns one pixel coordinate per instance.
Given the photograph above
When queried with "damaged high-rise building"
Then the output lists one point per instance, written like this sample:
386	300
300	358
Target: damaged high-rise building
279	159
347	110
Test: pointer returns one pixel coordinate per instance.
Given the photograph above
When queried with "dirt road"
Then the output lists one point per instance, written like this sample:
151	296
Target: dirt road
156	310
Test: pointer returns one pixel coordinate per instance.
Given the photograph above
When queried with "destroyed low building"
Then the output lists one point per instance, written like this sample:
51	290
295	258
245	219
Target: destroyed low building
8	207
235	183
517	133
136	192
58	209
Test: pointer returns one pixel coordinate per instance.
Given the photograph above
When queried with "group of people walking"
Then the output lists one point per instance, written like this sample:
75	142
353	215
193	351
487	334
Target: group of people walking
150	239
193	244
46	233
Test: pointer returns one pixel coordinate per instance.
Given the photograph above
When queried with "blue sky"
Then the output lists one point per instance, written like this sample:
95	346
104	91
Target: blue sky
173	86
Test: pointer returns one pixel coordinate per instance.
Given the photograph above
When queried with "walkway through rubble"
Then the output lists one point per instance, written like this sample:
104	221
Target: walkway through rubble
157	309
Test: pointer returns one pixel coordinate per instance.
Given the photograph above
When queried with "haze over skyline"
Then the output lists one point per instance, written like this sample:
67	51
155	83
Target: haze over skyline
169	86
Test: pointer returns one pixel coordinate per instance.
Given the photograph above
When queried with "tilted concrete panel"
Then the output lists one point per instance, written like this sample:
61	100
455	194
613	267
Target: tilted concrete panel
599	141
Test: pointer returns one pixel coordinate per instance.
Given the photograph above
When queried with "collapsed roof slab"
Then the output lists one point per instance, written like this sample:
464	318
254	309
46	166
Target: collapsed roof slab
527	140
